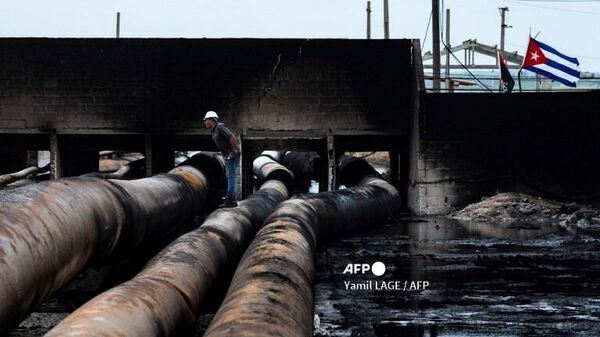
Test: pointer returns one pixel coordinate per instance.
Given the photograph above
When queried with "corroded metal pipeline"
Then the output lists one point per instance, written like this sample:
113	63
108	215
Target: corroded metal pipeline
168	293
275	155
352	170
265	168
271	292
129	170
306	166
6	179
50	231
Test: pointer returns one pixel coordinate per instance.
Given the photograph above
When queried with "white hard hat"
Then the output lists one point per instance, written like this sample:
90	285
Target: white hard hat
211	114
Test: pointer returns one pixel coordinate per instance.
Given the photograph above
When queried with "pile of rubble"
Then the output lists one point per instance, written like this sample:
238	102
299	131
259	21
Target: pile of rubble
520	207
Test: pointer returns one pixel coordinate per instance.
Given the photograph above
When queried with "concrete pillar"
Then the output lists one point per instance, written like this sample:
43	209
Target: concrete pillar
56	169
328	170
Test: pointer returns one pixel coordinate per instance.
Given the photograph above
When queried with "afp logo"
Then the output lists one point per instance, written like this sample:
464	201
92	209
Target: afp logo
377	268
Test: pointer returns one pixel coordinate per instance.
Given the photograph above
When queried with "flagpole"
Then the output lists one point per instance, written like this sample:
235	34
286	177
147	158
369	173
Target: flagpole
522	63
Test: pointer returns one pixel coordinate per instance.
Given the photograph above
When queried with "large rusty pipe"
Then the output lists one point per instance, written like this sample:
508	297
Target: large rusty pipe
8	178
265	168
352	170
111	165
271	293
305	166
50	231
167	295
132	169
275	155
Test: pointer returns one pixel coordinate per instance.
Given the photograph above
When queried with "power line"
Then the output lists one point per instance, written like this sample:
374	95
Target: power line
443	18
454	56
427	30
490	77
376	23
465	68
521	2
579	56
562	0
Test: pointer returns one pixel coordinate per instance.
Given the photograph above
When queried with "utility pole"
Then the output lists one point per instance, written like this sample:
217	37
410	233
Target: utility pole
118	24
368	20
435	10
448	82
503	27
386	20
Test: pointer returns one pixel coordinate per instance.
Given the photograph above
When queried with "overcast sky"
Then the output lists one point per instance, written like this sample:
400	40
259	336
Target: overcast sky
572	27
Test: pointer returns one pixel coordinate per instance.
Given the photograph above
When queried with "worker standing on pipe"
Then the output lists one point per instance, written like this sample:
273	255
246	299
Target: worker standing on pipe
228	145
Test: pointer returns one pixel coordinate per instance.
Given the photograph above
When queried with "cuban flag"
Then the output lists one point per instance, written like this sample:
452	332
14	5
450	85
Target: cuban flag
549	62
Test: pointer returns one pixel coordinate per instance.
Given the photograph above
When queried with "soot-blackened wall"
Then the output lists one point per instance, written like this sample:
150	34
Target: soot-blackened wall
166	85
471	145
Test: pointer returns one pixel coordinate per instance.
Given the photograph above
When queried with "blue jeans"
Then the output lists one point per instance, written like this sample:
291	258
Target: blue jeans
231	166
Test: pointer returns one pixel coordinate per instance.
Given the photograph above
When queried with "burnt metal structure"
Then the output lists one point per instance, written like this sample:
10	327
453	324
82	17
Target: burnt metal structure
51	230
271	292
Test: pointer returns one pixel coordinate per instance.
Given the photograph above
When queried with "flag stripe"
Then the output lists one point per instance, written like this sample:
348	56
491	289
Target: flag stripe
542	72
557	72
552	50
566	70
551	56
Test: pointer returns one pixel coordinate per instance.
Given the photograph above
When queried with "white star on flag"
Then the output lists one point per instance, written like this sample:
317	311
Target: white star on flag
534	56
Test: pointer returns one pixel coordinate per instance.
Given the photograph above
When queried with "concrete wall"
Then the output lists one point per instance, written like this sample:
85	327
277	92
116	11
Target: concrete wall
471	145
149	96
166	85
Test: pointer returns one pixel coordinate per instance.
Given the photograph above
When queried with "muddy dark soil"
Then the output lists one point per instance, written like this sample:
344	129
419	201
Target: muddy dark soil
524	208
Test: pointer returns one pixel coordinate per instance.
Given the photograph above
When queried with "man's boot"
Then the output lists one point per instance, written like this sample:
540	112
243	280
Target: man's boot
229	202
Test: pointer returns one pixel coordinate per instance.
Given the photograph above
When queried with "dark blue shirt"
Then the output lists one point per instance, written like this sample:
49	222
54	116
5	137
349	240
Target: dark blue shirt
220	135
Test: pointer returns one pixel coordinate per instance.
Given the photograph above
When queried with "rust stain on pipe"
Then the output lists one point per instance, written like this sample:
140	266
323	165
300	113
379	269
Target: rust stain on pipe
168	293
271	292
50	231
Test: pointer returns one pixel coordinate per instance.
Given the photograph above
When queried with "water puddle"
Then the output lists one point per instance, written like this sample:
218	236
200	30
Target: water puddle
449	278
